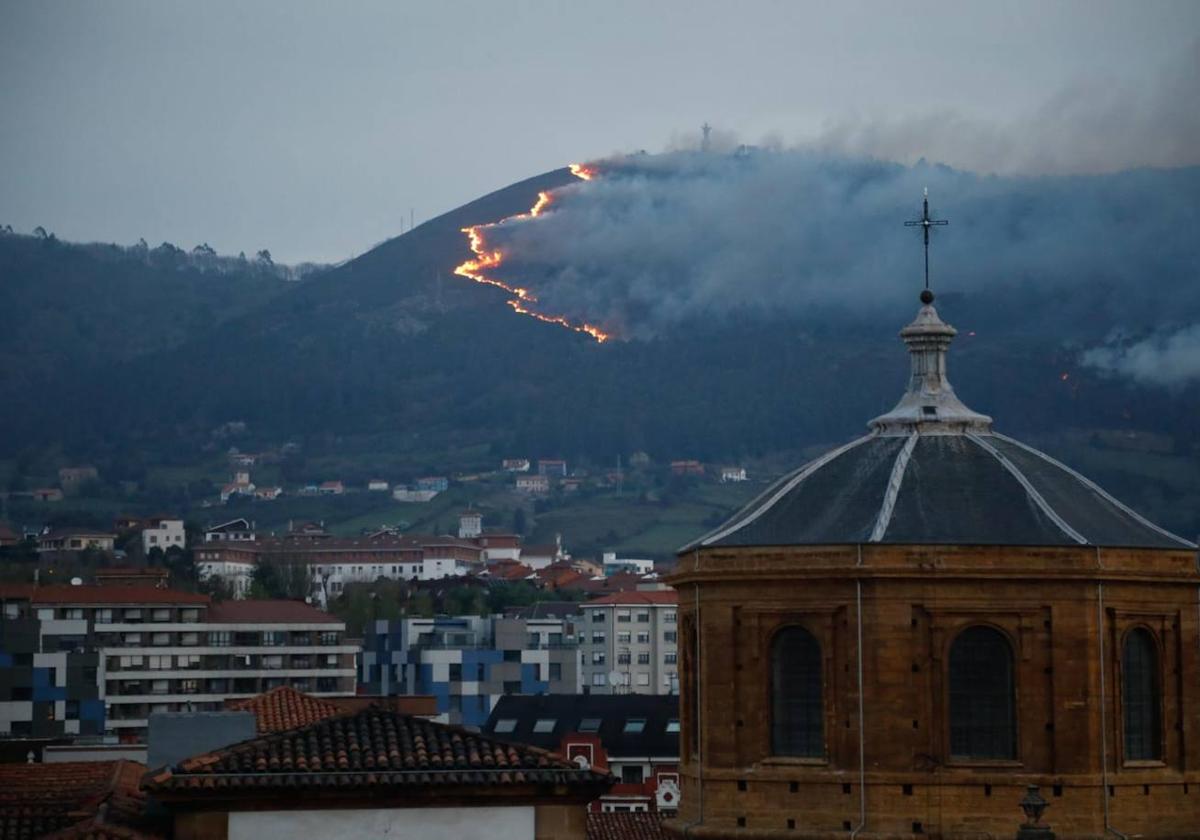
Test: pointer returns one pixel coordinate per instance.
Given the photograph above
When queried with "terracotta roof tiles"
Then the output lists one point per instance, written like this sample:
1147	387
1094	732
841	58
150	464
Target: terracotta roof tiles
371	749
40	799
643	825
285	708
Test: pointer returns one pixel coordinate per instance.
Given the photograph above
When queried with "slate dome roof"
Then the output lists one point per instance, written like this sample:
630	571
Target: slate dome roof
932	471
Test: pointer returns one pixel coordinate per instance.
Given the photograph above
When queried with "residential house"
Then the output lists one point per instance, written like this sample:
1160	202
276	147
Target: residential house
615	565
470	524
553	467
534	485
499	546
635	737
235	530
46	494
541	556
377	485
403	493
75	539
267	494
163	533
629	643
729	474
331	488
687	468
436	483
516	464
408	778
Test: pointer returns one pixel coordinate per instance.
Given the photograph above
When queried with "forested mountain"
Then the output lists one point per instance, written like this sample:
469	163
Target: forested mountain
392	351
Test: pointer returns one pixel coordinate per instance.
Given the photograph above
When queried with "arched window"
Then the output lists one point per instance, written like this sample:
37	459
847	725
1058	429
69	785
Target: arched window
982	714
797	709
1140	696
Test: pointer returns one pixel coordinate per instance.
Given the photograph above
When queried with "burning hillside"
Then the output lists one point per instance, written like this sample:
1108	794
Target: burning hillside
487	260
645	244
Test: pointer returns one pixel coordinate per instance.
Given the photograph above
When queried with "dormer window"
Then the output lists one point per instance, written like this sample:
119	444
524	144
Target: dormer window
929	410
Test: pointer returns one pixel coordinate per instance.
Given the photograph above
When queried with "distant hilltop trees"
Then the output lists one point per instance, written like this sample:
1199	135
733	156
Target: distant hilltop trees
202	257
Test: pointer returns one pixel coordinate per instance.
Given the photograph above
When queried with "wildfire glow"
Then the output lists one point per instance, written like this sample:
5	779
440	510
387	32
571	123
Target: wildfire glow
487	260
582	170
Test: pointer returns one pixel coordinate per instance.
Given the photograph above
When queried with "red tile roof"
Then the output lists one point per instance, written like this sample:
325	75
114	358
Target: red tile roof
268	612
637	597
100	594
643	825
38	799
285	708
375	748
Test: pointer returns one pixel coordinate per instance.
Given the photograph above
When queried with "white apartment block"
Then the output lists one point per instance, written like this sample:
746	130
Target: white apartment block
163	534
628	643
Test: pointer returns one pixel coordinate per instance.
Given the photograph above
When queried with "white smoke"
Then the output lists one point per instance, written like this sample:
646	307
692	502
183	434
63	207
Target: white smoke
1168	359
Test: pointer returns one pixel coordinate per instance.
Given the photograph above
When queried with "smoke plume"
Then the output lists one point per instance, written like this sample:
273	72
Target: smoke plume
1171	359
657	241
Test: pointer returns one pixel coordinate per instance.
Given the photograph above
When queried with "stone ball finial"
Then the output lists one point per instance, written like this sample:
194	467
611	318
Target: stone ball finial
927	297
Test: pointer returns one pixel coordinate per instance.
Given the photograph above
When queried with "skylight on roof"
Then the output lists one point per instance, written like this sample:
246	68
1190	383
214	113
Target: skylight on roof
673	725
635	724
544	725
589	725
506	725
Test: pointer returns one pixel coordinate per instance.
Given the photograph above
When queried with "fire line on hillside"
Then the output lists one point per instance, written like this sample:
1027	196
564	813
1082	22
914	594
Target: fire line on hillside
522	299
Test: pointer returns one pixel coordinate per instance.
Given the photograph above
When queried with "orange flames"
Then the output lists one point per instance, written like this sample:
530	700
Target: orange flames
489	259
582	170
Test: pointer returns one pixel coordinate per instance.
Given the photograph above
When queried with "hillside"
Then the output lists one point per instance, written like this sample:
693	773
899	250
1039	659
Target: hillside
391	364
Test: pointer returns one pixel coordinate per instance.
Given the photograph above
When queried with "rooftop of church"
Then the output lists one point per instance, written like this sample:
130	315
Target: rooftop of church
933	472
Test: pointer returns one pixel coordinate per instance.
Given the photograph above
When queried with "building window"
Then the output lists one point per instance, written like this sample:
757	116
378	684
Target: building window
669	617
104	616
597	638
643	638
455	672
623	657
643	679
220	638
623	617
329	637
597	617
632	774
670	637
160	615
598	679
555	671
634	726
73	612
643	618
1140	696
543	726
597	658
644	658
669	658
133	639
982	714
673	725
273	638
797	707
505	725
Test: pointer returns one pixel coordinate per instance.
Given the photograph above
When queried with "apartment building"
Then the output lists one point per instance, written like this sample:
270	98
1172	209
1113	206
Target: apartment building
163	534
628	643
332	562
159	650
469	662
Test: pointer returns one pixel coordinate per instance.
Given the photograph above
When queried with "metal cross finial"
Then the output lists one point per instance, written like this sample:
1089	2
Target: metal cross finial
925	223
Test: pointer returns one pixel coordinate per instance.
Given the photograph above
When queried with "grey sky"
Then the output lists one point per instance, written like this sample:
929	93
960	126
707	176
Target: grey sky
311	129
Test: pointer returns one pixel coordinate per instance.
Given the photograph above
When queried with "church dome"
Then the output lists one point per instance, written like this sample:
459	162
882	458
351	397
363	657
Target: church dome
932	471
